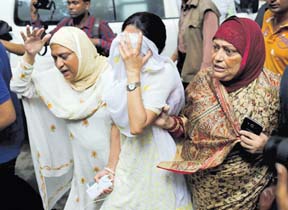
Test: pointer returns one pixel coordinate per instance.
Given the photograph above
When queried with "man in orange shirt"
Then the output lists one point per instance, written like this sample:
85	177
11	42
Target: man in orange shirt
275	31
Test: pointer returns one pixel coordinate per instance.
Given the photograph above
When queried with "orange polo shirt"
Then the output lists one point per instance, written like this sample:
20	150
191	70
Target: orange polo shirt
276	44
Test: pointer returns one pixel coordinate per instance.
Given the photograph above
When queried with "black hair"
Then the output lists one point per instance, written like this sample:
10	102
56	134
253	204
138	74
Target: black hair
151	26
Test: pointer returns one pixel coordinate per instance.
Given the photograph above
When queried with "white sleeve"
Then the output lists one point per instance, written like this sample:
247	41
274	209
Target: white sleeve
163	88
21	82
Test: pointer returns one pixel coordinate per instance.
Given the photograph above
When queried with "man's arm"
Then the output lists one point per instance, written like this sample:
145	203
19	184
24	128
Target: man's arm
7	113
210	27
15	48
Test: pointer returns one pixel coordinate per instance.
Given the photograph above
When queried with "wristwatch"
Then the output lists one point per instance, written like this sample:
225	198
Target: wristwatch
132	86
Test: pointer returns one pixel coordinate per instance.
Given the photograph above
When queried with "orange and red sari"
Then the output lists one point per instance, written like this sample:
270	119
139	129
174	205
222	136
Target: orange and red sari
222	175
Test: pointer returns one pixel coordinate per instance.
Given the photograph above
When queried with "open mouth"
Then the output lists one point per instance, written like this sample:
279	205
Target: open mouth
65	73
273	6
218	68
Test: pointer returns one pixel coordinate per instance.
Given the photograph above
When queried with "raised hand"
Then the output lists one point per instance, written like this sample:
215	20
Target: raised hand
132	57
33	42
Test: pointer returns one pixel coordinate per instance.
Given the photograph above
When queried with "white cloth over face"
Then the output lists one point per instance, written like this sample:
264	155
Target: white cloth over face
69	130
139	184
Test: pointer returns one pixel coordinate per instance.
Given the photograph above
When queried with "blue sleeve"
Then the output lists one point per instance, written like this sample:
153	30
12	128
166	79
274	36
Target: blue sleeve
4	93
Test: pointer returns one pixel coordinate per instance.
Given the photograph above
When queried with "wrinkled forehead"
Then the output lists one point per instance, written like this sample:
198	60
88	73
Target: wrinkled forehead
223	42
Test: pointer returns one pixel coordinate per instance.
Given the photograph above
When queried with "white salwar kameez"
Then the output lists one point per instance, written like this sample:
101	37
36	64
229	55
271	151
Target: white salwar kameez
69	132
139	184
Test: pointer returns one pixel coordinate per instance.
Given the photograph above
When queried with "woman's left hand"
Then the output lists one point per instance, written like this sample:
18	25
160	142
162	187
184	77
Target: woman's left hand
252	142
132	57
102	173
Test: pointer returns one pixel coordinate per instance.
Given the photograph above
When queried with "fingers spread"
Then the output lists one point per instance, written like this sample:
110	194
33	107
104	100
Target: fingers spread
23	36
139	42
147	56
122	52
46	38
28	31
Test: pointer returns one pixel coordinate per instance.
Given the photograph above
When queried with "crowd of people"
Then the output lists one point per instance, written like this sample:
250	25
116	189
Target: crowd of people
167	132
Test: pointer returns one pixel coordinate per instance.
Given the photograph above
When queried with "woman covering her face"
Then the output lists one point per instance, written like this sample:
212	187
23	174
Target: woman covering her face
224	163
69	129
144	82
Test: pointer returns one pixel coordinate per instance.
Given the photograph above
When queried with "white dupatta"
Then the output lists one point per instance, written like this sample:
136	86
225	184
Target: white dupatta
50	134
160	85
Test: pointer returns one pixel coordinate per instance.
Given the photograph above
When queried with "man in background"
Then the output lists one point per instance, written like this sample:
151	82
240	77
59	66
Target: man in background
275	31
97	30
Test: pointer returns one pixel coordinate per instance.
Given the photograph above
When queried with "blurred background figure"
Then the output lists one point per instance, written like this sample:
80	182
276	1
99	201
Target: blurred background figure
97	30
226	8
199	20
260	14
247	6
275	32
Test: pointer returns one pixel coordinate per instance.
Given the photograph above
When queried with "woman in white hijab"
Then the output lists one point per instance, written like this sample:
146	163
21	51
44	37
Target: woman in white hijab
70	134
144	82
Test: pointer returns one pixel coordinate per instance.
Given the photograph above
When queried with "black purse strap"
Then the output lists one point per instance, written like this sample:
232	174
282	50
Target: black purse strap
45	51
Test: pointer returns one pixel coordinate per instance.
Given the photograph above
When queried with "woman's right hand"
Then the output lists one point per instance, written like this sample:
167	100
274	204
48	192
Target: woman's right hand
132	57
33	42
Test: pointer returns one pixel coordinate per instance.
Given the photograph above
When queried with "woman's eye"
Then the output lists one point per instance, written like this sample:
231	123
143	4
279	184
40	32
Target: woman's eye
64	56
228	51
216	47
